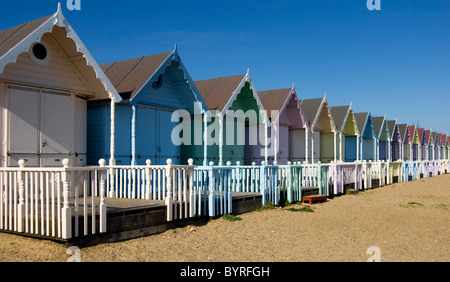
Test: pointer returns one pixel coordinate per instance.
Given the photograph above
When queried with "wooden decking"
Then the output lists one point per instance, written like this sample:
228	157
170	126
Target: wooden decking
132	218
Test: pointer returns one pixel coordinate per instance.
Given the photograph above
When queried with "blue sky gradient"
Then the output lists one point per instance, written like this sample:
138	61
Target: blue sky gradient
392	62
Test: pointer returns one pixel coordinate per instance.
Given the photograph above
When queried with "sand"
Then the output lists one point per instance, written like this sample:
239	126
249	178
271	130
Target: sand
403	222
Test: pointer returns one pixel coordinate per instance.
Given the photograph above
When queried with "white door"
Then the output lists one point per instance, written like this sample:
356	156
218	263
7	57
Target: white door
23	126
40	126
56	129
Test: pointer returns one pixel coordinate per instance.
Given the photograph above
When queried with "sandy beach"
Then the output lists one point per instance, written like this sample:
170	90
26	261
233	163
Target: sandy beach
402	222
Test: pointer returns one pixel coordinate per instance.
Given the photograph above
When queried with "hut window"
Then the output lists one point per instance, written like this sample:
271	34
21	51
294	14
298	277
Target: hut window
40	52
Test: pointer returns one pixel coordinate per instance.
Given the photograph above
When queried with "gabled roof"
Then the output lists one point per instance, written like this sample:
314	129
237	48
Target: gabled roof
433	138
361	119
313	109
378	125
275	99
340	114
443	137
217	91
427	136
280	100
19	39
132	76
129	76
220	93
391	126
403	131
420	133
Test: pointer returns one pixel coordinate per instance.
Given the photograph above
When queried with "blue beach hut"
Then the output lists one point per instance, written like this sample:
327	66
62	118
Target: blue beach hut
367	135
152	88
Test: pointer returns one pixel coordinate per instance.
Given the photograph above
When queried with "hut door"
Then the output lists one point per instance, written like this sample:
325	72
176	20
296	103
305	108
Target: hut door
23	126
55	131
166	148
39	126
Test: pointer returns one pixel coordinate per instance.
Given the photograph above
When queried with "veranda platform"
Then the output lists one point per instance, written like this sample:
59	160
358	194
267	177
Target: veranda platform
133	218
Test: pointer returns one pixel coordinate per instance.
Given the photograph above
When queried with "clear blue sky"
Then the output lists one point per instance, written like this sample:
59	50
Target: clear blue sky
394	61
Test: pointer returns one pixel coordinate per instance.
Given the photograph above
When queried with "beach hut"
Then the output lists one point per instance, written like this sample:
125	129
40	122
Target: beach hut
415	142
323	129
347	139
432	145
425	151
448	147
422	143
383	138
367	136
156	90
437	146
287	117
406	140
238	130
396	140
47	77
443	146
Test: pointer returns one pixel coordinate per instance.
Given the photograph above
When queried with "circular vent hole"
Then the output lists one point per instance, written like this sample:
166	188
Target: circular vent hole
39	51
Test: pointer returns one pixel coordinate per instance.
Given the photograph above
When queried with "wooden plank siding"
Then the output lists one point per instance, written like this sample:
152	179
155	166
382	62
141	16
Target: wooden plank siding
240	130
346	141
323	130
367	136
155	88
289	142
44	99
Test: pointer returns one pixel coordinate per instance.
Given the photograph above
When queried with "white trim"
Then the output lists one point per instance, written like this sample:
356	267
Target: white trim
58	19
47	49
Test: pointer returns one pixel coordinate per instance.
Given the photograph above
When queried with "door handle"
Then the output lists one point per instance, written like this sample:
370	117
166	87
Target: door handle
44	143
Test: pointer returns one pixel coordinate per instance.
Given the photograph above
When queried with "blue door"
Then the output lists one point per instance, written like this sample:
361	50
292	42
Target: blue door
146	135
350	148
166	149
122	135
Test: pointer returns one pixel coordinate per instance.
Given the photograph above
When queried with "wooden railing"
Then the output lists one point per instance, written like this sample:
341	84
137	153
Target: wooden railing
170	183
53	201
48	201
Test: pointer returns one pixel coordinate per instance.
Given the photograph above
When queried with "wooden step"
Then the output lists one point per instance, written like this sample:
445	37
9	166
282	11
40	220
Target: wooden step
310	190
314	199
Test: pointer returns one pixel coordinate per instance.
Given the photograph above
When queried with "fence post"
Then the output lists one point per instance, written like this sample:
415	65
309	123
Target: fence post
168	200
148	191
263	183
112	172
21	206
191	188
66	211
319	177
289	181
212	186
229	208
238	176
253	178
274	184
102	207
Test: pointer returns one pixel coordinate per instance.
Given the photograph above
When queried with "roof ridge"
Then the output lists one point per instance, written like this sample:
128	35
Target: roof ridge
211	88
131	69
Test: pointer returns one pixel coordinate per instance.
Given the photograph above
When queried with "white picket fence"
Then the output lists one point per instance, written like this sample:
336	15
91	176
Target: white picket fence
68	202
170	183
42	201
